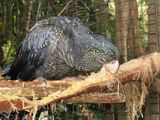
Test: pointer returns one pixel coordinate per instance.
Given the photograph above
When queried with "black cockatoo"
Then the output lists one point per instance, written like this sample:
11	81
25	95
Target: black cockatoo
62	46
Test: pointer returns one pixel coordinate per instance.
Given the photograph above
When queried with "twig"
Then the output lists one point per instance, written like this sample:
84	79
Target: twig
65	7
38	9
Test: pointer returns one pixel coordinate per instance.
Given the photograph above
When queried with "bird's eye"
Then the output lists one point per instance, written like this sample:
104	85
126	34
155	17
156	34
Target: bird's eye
102	60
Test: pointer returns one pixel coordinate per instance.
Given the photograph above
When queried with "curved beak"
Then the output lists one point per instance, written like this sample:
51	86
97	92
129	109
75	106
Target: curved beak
112	66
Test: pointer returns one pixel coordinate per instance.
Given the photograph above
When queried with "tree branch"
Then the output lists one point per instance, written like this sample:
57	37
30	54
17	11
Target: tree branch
30	94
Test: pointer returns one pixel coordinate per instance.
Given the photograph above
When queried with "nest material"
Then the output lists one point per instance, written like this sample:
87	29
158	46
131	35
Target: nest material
131	84
137	91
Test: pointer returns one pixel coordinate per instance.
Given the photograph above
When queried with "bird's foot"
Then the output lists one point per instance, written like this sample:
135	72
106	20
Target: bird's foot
75	78
70	78
82	77
42	81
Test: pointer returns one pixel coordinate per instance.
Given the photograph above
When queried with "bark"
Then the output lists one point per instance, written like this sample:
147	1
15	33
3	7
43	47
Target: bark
127	29
97	98
153	25
28	14
153	45
33	94
121	27
101	17
155	85
134	39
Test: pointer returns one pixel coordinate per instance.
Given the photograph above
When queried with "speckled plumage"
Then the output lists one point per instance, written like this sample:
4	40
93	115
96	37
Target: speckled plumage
58	47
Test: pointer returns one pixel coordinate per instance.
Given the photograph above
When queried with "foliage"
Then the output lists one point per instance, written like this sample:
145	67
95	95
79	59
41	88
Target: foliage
13	13
12	24
143	20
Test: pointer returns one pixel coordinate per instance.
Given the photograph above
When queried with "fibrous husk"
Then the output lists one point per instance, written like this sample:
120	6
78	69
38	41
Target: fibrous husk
133	81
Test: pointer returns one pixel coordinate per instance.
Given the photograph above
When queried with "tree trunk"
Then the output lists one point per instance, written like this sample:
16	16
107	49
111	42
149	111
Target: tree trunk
127	29
101	17
121	27
134	39
28	14
153	102
153	25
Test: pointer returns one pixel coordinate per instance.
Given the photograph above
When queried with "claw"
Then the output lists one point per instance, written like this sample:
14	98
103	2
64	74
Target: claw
43	81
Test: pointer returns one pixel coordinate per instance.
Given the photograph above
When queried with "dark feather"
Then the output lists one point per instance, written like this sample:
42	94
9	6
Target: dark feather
59	47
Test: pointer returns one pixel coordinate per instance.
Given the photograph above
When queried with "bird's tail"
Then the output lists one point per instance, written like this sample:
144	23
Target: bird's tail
6	72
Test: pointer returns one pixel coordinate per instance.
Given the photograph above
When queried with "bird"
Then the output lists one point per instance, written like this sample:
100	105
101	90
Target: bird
57	47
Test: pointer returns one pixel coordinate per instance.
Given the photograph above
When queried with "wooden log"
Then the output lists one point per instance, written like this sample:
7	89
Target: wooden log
18	103
27	95
97	98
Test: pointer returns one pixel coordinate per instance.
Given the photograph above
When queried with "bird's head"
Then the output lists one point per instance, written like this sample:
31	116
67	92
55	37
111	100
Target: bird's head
99	52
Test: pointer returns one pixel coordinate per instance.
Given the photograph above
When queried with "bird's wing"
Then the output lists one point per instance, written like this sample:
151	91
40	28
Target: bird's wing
38	43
